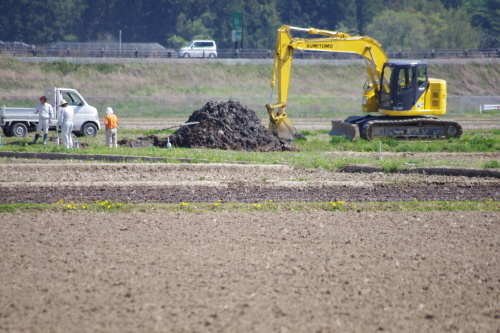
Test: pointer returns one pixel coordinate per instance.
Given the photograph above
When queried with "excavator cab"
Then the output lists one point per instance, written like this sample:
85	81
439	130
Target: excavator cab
403	84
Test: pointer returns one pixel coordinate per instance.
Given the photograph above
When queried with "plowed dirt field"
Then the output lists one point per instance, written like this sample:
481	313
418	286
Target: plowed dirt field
244	272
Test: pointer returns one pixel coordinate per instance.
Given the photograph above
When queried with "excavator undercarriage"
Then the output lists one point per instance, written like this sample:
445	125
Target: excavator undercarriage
374	127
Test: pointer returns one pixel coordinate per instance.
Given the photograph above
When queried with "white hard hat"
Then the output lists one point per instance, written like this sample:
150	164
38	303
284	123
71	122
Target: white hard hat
109	110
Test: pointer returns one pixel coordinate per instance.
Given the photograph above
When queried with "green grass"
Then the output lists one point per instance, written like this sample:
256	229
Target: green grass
107	206
319	151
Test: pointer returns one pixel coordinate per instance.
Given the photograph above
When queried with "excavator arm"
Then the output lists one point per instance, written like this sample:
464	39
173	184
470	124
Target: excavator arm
332	41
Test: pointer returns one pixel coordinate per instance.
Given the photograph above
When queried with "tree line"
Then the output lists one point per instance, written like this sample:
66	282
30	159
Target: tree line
396	24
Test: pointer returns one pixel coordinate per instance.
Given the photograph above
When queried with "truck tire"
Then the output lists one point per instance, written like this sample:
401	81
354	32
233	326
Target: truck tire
19	130
6	131
89	129
212	56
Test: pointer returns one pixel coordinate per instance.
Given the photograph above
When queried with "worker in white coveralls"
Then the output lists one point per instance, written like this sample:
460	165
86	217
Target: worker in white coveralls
66	124
45	114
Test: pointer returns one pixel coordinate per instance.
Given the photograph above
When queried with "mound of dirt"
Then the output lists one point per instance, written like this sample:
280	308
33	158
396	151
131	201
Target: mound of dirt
228	125
221	125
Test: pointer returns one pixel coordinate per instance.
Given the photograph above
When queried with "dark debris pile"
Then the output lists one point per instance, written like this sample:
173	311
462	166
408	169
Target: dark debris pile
222	125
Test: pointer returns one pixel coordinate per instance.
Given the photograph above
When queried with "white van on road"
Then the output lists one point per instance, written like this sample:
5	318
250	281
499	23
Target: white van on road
199	49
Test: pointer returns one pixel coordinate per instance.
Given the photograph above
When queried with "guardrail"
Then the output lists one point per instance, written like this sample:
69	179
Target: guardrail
40	51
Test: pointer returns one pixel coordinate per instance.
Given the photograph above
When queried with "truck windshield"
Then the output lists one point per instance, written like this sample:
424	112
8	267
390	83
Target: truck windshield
72	98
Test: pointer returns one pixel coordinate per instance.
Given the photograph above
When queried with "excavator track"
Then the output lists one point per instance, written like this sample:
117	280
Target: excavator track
412	128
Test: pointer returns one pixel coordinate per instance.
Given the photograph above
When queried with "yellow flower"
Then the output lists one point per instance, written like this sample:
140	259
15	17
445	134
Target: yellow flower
333	204
184	203
340	202
216	204
68	206
109	206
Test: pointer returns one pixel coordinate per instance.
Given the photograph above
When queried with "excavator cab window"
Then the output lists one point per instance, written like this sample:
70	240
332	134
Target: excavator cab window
405	79
385	87
402	84
422	77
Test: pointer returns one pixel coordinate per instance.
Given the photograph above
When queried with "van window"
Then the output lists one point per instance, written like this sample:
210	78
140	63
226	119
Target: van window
203	44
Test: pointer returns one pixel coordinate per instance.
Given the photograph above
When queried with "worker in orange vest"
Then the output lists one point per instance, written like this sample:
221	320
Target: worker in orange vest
111	122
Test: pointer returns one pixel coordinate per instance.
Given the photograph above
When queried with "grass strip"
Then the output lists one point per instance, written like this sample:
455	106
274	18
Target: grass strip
107	206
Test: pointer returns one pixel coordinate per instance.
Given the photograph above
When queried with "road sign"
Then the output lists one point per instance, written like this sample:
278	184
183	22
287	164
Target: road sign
236	26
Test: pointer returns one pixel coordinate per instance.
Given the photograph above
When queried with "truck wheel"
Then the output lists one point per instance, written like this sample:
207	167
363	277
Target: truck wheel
6	131
211	56
89	129
19	130
185	55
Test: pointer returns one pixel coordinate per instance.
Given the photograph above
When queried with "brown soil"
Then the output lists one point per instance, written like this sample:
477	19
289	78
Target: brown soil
250	272
172	183
244	272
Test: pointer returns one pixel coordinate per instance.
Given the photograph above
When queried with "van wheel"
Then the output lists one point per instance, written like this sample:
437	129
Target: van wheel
89	129
19	130
185	55
211	56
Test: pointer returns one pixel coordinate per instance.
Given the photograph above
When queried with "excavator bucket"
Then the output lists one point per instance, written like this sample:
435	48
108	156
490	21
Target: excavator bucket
280	124
283	128
342	128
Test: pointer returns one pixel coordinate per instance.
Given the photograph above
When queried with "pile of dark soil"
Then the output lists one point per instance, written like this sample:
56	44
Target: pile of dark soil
228	125
221	125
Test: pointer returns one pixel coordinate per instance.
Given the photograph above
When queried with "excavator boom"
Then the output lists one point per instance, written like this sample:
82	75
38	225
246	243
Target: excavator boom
368	48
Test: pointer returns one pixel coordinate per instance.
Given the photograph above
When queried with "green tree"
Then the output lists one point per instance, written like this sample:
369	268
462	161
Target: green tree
39	22
398	30
457	32
486	16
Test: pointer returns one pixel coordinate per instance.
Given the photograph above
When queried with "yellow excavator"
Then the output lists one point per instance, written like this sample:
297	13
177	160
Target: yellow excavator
406	99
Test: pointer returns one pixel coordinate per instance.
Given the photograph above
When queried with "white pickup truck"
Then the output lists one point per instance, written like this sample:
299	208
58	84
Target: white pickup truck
19	121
